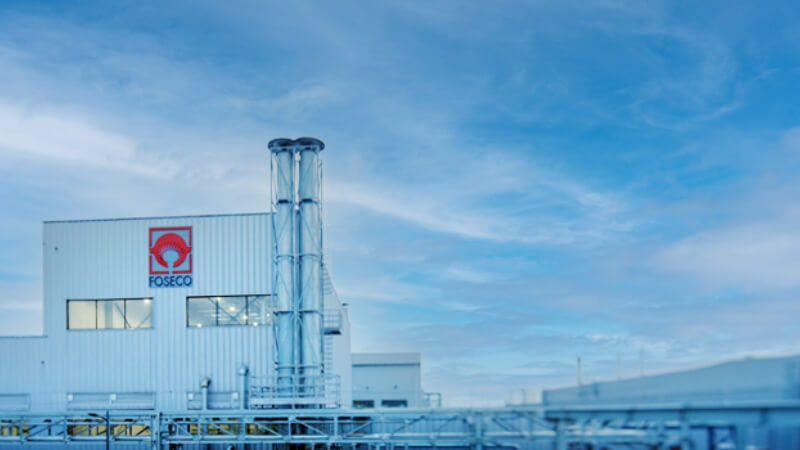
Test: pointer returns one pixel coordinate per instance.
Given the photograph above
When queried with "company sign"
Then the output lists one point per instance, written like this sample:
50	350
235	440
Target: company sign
170	257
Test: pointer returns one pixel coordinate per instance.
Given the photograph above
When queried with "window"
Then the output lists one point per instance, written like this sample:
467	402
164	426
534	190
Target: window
81	314
394	403
360	404
224	310
110	314
232	311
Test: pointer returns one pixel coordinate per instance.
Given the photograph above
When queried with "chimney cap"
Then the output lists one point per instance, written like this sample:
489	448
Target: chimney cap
280	144
310	141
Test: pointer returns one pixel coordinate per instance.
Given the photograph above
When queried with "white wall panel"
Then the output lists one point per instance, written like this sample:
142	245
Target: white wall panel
109	259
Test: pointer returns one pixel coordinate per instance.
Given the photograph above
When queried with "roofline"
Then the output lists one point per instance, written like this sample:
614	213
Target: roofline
197	216
23	336
672	372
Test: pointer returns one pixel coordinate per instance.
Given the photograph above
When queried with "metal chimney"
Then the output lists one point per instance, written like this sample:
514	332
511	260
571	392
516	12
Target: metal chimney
297	283
310	246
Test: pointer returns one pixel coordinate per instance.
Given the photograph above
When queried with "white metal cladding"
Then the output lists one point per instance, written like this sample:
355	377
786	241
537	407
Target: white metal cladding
338	356
109	259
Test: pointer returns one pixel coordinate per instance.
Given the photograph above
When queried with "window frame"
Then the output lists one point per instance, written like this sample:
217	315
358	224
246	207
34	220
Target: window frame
363	404
125	321
248	298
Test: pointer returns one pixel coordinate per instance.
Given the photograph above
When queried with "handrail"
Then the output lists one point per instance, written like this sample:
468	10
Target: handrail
322	389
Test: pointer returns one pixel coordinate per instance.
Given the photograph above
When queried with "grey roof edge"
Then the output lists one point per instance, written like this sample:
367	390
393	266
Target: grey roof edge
23	336
727	363
196	216
387	358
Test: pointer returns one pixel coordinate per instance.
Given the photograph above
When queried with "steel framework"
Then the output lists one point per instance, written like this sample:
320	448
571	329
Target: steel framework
657	426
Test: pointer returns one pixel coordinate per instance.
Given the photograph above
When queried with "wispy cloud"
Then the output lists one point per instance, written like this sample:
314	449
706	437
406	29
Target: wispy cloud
755	256
61	137
573	179
505	200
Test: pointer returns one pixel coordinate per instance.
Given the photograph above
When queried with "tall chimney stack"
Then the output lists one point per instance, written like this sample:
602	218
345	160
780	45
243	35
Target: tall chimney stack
297	284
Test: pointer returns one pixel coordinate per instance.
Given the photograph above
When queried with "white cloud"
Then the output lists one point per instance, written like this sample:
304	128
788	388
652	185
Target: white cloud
382	288
60	137
52	136
467	201
756	256
467	275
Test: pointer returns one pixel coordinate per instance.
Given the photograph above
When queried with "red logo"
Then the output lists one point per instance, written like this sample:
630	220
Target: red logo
170	250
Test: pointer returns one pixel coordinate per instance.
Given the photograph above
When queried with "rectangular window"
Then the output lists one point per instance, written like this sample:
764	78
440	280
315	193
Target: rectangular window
82	314
224	310
110	314
394	403
232	311
360	404
201	312
139	313
258	312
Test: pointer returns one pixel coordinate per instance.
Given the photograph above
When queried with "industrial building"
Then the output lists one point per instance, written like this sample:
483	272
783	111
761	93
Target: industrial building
225	330
750	381
174	313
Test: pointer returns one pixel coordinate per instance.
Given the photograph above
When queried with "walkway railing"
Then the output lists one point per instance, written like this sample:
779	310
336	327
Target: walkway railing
297	390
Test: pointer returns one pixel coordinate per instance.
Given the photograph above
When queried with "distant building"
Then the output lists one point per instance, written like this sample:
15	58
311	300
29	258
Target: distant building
387	380
754	380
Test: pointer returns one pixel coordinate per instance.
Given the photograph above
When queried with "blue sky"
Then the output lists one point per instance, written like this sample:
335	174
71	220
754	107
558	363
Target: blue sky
509	185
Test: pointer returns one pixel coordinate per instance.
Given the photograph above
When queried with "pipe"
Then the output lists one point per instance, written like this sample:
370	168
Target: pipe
243	385
310	267
283	177
204	384
108	430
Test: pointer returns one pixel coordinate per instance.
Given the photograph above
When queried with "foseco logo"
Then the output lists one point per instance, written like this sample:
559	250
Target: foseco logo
170	257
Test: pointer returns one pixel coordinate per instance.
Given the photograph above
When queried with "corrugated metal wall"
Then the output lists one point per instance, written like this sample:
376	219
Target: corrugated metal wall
109	259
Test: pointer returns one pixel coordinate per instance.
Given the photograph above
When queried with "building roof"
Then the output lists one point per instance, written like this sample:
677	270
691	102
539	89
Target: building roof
197	216
369	359
745	379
